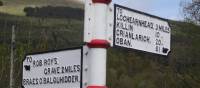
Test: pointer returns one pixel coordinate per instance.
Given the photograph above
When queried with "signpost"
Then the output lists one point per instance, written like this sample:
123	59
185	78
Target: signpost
137	30
103	27
59	69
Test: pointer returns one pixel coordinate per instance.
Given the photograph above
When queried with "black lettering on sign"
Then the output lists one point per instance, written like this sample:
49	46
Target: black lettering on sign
37	63
142	38
124	26
78	67
29	59
119	12
52	70
50	61
62	70
158	49
124	34
123	42
162	28
69	79
131	20
158	42
157	35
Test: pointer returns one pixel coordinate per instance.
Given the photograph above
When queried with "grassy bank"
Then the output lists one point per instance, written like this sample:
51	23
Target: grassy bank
125	68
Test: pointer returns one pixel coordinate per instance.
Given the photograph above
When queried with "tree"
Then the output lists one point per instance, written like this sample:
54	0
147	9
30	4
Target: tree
191	11
1	3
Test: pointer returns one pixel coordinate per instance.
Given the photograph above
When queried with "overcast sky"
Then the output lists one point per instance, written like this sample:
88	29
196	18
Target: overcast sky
169	9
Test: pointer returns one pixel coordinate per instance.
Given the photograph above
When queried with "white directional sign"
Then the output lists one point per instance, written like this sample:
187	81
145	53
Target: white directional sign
59	69
137	30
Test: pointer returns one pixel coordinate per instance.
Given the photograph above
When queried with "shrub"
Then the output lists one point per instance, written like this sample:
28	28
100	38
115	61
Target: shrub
55	12
1	3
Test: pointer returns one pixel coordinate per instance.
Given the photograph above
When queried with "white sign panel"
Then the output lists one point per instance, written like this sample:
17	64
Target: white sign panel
140	31
59	69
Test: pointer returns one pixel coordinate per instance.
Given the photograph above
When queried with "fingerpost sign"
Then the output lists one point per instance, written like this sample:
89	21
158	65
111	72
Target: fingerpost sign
137	30
59	69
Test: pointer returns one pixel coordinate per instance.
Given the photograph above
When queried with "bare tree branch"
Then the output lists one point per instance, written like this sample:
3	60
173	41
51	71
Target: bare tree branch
192	11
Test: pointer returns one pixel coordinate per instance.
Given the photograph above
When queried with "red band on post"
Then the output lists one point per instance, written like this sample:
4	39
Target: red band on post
96	87
102	1
97	43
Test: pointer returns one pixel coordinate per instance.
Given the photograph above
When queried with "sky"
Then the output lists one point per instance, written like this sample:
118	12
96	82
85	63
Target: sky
169	9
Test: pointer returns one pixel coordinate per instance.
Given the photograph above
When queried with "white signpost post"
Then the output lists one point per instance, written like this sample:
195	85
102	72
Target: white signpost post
107	24
59	69
137	30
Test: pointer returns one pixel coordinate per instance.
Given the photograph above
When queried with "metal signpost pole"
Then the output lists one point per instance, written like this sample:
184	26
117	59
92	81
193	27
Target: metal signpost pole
98	46
12	57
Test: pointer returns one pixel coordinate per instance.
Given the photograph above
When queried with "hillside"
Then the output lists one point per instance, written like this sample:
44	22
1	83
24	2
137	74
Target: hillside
16	7
73	3
126	68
